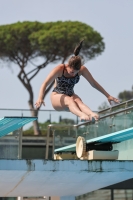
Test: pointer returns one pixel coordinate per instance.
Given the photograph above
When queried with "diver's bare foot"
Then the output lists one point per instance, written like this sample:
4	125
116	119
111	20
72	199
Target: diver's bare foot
85	117
95	116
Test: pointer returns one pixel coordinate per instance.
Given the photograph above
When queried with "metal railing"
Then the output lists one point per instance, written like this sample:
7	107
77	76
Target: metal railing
114	110
105	116
67	134
125	104
11	145
51	131
51	116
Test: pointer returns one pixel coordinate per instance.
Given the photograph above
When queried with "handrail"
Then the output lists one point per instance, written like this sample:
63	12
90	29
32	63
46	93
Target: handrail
108	115
58	125
115	106
81	124
24	109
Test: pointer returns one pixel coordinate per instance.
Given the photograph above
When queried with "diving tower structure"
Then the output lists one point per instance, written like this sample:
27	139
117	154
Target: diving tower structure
71	172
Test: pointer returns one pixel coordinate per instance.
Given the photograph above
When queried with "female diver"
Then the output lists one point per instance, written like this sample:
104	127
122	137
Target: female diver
63	97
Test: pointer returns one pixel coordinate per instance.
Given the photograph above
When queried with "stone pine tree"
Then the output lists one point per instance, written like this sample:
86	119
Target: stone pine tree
16	47
22	42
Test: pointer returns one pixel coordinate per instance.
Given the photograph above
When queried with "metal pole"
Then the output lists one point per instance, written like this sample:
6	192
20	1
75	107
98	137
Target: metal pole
47	142
50	118
112	194
76	132
53	144
77	120
20	143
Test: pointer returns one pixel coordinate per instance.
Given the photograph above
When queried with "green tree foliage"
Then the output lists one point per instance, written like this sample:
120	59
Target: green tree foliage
62	37
16	46
125	95
22	42
44	127
66	121
122	96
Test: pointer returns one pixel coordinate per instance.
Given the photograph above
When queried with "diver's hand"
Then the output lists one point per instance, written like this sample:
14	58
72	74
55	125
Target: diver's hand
110	98
39	103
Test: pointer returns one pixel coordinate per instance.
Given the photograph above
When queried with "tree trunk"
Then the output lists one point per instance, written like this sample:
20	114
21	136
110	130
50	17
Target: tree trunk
34	113
26	83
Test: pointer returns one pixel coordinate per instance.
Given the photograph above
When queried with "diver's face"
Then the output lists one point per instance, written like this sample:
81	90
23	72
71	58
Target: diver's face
71	71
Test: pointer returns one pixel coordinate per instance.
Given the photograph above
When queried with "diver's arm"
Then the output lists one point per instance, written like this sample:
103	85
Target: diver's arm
87	75
50	78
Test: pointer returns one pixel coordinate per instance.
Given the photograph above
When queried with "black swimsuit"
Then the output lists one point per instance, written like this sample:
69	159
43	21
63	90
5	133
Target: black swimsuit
65	85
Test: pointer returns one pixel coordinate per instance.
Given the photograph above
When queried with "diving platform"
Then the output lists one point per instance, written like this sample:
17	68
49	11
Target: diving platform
11	136
96	148
10	124
112	138
31	178
77	174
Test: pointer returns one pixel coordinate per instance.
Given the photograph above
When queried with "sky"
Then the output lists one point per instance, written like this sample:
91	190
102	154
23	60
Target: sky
113	70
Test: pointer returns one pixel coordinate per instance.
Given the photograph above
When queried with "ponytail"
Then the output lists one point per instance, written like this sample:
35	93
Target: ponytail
75	61
78	48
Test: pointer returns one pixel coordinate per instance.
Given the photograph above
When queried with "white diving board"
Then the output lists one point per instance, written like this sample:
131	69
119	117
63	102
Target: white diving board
9	124
115	137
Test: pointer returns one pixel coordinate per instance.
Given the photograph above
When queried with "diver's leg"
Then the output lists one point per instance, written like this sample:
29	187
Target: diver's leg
84	108
61	102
